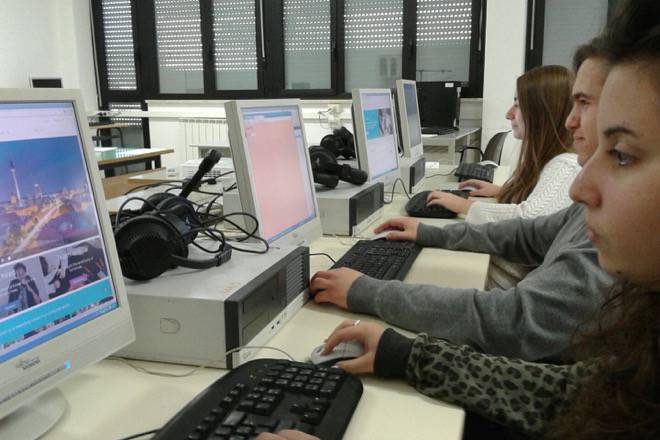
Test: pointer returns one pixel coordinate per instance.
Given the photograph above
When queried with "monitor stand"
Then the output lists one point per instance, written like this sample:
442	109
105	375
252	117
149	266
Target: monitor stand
33	419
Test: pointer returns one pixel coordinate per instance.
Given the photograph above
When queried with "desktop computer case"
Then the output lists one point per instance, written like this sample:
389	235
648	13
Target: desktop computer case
194	317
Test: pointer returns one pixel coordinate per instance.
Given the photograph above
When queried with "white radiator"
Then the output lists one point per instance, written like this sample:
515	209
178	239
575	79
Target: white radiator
202	132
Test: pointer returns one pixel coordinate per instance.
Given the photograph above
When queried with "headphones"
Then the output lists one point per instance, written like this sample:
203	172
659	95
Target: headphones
340	143
155	238
328	172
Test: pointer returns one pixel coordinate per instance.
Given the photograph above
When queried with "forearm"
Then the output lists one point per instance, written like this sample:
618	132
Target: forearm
522	395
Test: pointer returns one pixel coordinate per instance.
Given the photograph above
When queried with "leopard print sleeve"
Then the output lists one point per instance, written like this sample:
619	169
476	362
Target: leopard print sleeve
522	395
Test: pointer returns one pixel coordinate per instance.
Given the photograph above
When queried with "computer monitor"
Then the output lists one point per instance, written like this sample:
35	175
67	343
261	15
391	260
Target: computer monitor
375	133
62	297
410	129
439	104
273	170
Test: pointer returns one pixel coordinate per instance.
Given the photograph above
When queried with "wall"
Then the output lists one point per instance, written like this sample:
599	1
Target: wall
504	62
47	38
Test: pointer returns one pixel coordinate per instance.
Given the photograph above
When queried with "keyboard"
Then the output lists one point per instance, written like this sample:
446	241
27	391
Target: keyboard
439	130
267	395
467	171
416	206
381	259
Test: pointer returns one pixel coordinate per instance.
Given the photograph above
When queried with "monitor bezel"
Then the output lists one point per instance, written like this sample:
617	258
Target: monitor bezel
409	150
361	137
90	341
243	170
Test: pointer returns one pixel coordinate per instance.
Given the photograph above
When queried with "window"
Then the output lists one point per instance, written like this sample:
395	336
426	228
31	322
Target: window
555	28
240	49
374	39
307	44
179	46
235	43
119	45
444	29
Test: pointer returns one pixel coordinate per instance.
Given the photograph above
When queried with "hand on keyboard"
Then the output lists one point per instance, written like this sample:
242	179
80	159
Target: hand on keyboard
483	189
405	228
331	286
454	203
286	434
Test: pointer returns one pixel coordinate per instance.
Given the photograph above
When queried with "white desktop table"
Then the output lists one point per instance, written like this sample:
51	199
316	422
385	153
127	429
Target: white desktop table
463	137
110	400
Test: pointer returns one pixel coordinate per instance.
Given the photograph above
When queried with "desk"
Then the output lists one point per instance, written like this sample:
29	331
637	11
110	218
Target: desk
128	156
463	137
110	400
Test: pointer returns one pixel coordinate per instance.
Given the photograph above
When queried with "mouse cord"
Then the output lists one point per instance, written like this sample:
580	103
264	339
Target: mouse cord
403	186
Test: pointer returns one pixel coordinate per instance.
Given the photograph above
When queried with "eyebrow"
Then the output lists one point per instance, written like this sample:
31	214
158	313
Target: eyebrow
579	95
618	129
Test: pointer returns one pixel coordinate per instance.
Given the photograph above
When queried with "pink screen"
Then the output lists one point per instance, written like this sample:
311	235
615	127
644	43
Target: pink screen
279	169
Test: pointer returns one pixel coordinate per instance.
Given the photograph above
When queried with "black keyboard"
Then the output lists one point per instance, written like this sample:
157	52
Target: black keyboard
439	130
267	395
467	171
381	259
416	206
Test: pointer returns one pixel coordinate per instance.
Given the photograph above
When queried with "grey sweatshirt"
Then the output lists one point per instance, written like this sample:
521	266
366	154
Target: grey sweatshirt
533	320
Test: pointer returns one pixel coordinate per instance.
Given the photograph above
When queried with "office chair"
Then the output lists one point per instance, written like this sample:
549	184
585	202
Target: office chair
493	149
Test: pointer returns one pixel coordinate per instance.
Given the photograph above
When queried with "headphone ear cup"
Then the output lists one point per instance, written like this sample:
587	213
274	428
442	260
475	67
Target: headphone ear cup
321	159
346	141
332	143
154	200
145	244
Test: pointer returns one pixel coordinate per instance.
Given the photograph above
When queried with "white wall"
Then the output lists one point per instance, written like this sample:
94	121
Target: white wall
47	38
504	62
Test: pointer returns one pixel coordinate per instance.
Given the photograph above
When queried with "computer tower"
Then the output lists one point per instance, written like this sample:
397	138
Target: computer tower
439	103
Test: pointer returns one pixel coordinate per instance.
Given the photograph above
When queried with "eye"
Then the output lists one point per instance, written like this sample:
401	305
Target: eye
622	158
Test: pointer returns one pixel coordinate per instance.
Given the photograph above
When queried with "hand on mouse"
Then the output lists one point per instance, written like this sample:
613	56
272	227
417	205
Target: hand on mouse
405	228
483	189
332	285
366	333
286	434
457	204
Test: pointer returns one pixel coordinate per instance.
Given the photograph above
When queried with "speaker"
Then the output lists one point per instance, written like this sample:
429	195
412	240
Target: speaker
156	238
327	171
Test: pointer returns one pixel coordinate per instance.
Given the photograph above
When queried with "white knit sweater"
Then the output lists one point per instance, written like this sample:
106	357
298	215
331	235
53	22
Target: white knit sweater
548	196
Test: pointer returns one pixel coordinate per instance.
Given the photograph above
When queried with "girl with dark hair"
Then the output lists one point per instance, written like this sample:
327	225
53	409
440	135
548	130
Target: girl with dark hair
546	165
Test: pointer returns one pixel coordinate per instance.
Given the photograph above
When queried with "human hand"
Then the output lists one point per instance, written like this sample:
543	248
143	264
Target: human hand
405	228
332	285
483	189
366	333
286	434
454	203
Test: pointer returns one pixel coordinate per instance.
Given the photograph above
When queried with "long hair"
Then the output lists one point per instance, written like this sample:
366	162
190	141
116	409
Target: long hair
544	96
622	400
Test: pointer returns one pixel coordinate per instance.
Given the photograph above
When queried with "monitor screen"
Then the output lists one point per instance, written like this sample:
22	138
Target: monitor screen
281	182
412	113
377	138
53	262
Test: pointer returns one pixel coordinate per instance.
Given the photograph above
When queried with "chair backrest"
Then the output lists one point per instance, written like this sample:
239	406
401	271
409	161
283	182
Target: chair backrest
494	148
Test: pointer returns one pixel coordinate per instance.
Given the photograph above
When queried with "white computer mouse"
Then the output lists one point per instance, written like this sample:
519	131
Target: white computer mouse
469	188
383	234
489	163
342	351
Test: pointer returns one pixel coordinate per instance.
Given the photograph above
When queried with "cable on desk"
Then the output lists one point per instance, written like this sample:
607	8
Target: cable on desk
441	174
403	185
323	254
342	242
259	347
142	434
144	370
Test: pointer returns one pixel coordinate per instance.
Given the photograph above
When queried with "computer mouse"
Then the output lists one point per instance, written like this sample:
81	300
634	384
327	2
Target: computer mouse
469	188
342	351
383	234
489	163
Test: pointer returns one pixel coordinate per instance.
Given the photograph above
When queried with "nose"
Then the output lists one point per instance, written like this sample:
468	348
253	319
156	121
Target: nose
509	113
573	119
585	188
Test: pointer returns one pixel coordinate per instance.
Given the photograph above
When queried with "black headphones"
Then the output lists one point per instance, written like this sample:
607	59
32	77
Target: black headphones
328	172
155	238
340	142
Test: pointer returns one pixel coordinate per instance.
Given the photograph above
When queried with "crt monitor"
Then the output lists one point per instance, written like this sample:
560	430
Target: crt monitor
62	297
410	129
375	133
273	170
